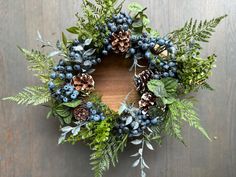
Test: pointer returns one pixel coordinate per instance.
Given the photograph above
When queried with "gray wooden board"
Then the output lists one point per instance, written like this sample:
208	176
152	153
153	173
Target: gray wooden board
28	142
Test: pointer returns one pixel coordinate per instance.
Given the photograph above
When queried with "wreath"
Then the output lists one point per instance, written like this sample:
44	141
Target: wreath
175	69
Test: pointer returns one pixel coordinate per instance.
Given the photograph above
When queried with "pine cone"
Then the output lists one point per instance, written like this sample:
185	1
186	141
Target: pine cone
81	113
83	83
147	100
121	41
142	79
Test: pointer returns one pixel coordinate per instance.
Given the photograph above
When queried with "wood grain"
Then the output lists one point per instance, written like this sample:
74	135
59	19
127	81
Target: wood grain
28	142
114	80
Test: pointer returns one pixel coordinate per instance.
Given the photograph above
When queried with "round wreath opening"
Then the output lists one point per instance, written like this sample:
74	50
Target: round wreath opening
114	80
174	68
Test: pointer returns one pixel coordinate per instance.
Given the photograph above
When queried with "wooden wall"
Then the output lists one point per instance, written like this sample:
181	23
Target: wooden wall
28	142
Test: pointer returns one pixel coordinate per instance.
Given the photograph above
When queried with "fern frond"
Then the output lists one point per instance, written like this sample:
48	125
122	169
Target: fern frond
187	37
173	124
182	111
103	158
39	63
35	95
189	115
199	31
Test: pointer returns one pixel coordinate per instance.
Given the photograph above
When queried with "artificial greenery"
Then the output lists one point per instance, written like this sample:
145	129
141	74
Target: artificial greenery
162	110
188	37
141	21
95	15
194	70
34	95
178	112
39	63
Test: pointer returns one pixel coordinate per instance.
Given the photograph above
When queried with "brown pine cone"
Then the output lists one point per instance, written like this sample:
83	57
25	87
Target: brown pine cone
142	79
81	113
84	83
120	41
147	100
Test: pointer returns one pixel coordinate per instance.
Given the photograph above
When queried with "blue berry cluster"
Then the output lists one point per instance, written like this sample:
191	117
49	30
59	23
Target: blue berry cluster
81	60
95	115
83	57
135	122
146	46
162	68
119	22
63	71
66	94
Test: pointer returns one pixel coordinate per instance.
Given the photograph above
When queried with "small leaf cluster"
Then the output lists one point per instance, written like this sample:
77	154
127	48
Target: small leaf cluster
63	111
141	21
140	161
194	71
188	37
39	63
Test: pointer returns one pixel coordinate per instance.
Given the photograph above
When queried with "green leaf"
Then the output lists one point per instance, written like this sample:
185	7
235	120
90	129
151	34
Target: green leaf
73	104
171	85
182	111
138	24
73	30
168	100
62	111
64	39
146	21
157	87
135	7
68	119
153	33
49	114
